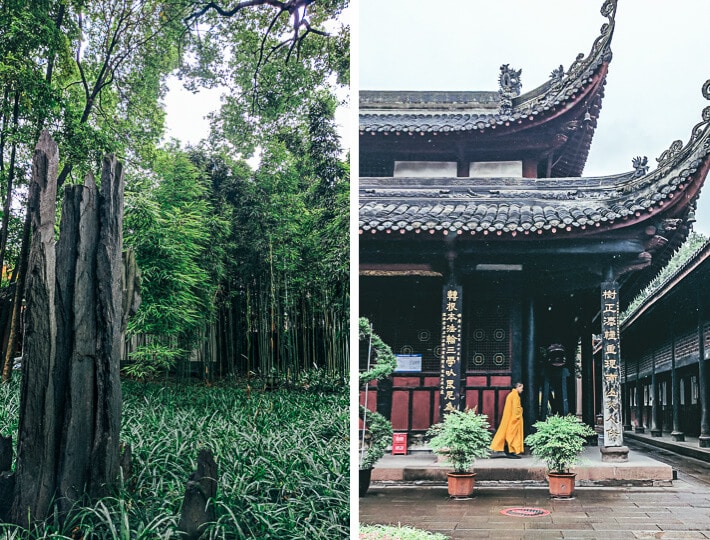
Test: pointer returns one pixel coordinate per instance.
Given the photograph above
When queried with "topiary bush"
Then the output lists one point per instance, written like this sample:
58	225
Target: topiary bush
558	441
462	437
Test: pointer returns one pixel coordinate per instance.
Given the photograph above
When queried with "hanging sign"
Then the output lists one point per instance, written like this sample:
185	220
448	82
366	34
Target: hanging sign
611	365
408	362
450	378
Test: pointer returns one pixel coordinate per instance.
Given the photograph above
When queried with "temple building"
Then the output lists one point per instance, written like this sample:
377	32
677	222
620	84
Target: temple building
666	350
487	258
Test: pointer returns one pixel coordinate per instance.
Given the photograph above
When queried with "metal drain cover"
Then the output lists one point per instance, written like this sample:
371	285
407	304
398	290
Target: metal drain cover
524	512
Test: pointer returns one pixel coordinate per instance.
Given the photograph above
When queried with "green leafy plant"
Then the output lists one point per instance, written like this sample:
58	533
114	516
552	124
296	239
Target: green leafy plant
401	532
558	441
386	361
284	471
378	437
377	429
462	437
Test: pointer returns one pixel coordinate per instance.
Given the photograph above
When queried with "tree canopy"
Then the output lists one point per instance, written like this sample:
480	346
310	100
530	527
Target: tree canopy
210	232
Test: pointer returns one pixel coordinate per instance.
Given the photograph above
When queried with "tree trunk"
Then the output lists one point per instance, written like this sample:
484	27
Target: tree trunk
19	277
70	405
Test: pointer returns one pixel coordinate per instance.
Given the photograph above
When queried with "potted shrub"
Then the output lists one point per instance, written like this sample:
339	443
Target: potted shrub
375	429
558	441
378	435
462	437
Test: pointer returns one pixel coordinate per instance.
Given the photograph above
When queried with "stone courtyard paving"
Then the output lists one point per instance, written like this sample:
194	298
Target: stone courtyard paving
605	513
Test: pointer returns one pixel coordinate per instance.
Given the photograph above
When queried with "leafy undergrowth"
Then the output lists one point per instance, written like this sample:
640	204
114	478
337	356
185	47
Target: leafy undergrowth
282	457
387	532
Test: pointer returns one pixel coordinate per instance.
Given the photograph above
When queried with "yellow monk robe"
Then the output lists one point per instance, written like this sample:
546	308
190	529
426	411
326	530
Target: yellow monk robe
511	426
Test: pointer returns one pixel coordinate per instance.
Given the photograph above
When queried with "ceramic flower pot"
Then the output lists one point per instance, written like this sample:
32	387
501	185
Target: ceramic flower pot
561	485
461	484
365	475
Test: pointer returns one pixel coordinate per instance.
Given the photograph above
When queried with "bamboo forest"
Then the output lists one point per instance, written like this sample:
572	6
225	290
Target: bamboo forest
174	314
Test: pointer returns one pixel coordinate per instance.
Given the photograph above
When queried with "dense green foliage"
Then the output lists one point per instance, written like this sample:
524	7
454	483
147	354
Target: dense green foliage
282	458
376	432
170	225
461	438
389	532
243	267
379	435
252	263
558	441
383	362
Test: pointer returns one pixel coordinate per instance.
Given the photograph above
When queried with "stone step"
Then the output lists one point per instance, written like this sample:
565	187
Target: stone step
639	470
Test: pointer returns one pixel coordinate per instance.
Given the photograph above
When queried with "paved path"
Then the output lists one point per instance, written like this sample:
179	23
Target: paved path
677	511
681	511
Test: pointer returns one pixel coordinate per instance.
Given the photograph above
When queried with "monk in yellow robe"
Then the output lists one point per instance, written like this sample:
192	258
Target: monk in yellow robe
509	437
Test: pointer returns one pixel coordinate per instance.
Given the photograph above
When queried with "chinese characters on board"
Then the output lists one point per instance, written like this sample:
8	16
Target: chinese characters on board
611	365
450	349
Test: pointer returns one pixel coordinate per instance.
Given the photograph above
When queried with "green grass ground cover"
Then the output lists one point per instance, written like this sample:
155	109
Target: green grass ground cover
389	532
282	457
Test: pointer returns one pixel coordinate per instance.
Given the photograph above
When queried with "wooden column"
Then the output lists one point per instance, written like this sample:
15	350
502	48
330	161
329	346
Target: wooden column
530	396
587	376
639	398
656	429
704	439
529	168
463	167
625	400
613	449
676	434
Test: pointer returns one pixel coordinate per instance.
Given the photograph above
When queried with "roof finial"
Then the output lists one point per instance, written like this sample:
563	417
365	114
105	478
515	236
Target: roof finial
640	165
557	74
509	86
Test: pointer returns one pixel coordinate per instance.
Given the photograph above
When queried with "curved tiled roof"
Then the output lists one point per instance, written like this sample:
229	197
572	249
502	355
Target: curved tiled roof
665	287
523	206
469	111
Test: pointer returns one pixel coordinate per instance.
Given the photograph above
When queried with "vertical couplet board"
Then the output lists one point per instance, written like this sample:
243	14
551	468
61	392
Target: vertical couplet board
450	377
611	368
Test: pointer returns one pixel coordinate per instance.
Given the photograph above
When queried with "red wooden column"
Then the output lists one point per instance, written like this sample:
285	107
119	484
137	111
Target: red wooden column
613	449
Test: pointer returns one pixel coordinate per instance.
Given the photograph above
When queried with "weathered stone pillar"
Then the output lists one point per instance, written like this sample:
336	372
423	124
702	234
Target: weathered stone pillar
70	412
198	504
613	449
35	480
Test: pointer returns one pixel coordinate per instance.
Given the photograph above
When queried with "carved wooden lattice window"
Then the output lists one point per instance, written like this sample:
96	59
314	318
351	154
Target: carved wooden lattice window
406	314
488	337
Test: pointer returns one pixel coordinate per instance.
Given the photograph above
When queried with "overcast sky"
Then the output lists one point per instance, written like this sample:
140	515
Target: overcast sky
661	58
186	111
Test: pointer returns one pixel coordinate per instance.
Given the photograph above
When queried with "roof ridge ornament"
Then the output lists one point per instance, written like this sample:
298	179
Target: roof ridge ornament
509	86
700	130
601	49
557	74
640	165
